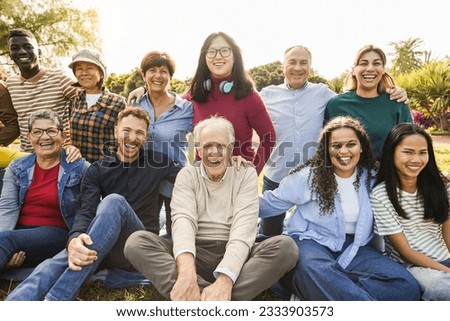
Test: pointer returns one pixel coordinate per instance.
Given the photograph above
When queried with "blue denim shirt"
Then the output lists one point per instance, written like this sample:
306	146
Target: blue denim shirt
307	222
17	180
167	133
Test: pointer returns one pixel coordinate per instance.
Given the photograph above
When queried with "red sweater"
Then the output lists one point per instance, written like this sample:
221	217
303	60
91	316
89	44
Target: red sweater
246	114
41	205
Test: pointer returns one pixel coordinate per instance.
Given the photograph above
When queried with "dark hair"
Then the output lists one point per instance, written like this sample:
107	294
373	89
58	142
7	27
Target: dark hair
158	59
20	32
137	112
431	183
243	83
324	182
386	81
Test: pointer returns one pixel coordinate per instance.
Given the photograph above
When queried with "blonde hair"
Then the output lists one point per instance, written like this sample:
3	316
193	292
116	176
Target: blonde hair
386	82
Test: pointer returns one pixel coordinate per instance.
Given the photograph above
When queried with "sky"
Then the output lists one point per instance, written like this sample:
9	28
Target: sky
333	30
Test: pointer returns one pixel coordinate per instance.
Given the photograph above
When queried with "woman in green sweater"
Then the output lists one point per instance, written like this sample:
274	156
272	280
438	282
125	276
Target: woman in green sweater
367	97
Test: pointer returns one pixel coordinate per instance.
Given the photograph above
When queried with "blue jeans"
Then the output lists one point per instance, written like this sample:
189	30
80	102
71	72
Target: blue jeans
38	243
272	225
370	276
115	220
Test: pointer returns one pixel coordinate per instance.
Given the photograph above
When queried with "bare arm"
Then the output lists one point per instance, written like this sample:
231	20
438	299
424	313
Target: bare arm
401	244
220	290
135	95
398	94
186	287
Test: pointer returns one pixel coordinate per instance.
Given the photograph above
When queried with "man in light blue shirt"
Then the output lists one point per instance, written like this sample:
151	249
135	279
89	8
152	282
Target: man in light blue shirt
297	110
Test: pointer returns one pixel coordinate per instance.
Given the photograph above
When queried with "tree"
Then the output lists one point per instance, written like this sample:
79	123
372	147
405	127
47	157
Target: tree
268	74
125	83
406	56
337	83
429	91
179	86
272	74
59	28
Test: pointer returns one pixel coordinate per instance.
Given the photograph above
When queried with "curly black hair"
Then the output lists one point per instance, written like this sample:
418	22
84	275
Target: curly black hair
322	177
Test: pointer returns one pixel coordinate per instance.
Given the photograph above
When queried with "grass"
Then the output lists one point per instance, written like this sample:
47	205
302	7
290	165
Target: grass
96	291
442	152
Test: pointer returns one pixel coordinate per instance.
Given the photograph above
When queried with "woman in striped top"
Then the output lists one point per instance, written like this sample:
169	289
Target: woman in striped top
411	208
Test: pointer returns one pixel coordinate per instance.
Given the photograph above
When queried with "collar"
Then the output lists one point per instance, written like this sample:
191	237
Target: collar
179	102
205	175
289	87
33	79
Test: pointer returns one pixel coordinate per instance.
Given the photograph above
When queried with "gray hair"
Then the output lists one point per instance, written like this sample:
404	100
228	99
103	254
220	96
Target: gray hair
45	114
214	123
298	46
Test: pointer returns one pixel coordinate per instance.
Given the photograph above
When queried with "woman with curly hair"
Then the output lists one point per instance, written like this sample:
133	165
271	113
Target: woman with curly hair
332	222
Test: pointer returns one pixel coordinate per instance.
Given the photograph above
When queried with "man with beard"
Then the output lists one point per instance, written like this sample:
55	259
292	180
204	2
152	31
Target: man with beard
119	196
213	255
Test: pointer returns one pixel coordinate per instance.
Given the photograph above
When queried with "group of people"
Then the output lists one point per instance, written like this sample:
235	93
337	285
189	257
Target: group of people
353	206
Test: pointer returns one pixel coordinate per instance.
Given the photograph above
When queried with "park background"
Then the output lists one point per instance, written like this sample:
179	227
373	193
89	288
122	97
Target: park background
413	34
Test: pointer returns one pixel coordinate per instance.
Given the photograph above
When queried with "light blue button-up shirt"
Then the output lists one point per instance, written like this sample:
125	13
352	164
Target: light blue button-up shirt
167	134
307	222
297	116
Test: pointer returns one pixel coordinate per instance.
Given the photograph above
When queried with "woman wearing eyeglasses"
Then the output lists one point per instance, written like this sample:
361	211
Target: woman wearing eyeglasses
221	86
40	196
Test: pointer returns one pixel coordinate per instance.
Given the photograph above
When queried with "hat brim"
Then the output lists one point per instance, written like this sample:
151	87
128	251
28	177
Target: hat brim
85	59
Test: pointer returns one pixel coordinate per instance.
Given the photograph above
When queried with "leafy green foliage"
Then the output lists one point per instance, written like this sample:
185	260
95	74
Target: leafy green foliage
406	56
429	91
59	28
268	74
179	86
272	74
337	83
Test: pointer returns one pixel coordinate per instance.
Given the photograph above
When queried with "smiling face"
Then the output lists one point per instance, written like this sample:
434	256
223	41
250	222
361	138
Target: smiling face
220	67
345	151
88	76
45	146
157	79
24	51
215	152
368	72
410	158
296	67
131	135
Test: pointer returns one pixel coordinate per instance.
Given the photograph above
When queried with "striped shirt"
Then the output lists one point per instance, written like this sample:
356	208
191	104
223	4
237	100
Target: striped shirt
92	128
49	89
423	236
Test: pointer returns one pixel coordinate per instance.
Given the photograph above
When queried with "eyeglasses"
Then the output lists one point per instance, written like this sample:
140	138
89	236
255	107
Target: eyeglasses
38	132
224	52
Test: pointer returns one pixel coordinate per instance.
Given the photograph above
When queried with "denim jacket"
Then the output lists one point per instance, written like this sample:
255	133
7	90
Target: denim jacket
17	180
306	221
